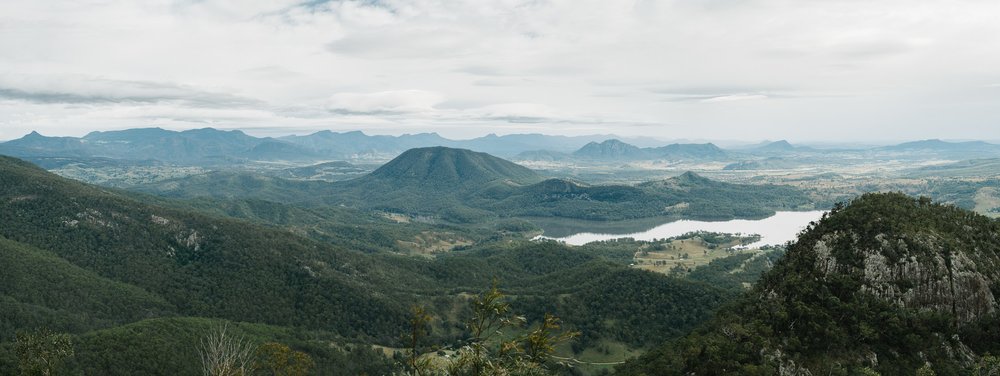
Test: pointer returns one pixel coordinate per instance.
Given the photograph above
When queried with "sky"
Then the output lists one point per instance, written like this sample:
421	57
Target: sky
802	70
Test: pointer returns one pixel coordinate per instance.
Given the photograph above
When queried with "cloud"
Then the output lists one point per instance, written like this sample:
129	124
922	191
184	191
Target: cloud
82	90
889	68
734	98
385	102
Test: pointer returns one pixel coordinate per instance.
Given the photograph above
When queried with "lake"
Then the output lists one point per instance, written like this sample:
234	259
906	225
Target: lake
774	230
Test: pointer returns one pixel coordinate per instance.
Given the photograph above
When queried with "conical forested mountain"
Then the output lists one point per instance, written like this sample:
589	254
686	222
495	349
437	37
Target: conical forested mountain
887	283
447	167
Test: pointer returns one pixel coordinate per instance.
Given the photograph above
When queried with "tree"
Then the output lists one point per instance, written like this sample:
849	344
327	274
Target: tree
419	321
523	356
989	365
280	360
42	352
926	370
226	354
540	343
490	314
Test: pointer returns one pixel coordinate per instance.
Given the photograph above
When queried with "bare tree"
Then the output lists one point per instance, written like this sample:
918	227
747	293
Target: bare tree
226	354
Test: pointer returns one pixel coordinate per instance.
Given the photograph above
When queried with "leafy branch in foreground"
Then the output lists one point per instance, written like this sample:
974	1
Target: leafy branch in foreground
488	354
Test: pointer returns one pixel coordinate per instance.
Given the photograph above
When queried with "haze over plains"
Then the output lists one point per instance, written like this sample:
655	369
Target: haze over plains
733	70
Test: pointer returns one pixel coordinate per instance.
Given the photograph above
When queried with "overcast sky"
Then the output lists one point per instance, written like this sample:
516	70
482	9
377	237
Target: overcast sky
803	70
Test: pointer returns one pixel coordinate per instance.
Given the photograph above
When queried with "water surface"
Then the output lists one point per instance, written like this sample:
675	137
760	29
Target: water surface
777	229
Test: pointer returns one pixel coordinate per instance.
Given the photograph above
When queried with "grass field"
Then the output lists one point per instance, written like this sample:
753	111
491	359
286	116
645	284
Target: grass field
429	243
987	202
663	257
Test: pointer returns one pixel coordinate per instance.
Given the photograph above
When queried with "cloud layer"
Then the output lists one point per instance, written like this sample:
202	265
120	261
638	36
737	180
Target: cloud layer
717	69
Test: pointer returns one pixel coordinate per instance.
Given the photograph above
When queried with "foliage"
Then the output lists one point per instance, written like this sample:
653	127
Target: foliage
280	360
490	353
419	322
42	352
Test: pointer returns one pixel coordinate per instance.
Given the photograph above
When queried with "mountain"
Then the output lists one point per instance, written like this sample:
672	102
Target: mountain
447	167
36	145
542	156
196	263
687	151
616	150
196	146
686	196
357	145
513	144
436	181
779	147
610	150
935	147
887	283
273	150
939	145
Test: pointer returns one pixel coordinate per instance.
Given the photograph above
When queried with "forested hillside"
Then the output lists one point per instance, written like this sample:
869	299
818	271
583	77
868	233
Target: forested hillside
887	284
107	266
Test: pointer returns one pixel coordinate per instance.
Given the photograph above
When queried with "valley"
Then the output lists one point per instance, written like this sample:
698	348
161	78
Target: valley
330	256
499	188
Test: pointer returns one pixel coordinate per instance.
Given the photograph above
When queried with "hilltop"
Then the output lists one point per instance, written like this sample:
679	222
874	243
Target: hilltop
463	186
446	167
888	282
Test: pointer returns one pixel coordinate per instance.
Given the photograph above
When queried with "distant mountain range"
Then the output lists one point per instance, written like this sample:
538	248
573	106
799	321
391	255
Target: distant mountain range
617	150
208	145
216	147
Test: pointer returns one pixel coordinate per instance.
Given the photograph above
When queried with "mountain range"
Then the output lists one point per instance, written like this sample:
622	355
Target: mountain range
210	145
216	147
616	150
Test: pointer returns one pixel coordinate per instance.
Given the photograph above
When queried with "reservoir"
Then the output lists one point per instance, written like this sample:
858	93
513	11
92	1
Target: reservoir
777	229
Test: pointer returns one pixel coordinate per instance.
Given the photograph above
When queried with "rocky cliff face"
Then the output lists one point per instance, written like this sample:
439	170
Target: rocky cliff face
938	278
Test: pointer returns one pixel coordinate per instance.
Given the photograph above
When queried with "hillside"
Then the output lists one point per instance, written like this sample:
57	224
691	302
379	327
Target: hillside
889	283
327	171
968	168
94	262
194	262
